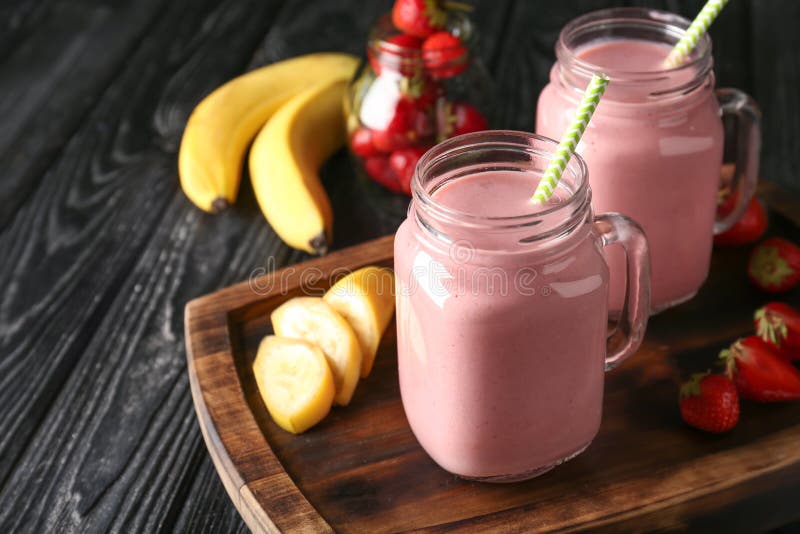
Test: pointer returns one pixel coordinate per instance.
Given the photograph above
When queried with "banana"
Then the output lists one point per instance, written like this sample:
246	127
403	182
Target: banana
224	123
285	161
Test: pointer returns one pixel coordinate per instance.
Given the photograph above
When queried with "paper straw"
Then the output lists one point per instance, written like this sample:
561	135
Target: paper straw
566	148
698	27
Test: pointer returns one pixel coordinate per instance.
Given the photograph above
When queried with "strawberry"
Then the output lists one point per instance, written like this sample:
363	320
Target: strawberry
760	374
377	167
747	230
419	18
430	93
399	53
460	118
444	55
403	40
408	125
778	324
774	265
361	143
403	162
710	402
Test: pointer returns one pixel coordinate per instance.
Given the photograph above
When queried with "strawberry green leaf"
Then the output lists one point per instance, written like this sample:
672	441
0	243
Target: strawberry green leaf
692	386
728	356
769	268
437	17
770	327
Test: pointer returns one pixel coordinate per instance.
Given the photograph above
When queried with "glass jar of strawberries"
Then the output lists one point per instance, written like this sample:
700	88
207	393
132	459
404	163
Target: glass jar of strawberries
421	84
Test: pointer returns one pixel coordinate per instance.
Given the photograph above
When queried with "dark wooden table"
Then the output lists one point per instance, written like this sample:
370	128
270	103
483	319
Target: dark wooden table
101	250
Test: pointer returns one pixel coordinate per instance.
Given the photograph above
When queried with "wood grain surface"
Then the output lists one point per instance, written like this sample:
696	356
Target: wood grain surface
100	250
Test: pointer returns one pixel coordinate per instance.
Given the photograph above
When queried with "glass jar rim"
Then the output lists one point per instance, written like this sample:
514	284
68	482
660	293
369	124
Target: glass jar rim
700	59
565	212
378	44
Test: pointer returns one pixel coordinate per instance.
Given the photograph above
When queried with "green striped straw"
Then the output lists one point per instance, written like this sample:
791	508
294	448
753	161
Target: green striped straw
695	31
566	148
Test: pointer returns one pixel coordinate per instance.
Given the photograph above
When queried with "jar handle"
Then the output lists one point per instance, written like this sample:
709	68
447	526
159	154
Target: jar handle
745	112
616	228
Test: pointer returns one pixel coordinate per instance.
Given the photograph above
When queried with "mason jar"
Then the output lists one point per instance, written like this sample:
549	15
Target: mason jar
502	307
654	146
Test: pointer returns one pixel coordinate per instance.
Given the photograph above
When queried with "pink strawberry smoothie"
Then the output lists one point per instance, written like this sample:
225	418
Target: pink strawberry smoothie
501	343
653	157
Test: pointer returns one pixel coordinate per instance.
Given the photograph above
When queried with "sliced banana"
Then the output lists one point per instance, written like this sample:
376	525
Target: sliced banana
365	298
295	381
314	320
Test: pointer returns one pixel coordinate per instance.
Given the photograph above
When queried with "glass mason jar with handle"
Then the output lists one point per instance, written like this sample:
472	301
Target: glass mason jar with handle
502	307
655	145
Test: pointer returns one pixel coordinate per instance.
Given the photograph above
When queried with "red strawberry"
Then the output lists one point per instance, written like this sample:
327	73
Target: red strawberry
760	374
710	403
419	18
774	265
409	125
460	118
399	132
747	230
399	53
444	55
361	143
377	167
403	162
403	40
778	324
428	95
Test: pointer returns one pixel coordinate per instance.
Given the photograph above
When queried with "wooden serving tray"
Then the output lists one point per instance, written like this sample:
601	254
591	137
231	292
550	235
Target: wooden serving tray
361	470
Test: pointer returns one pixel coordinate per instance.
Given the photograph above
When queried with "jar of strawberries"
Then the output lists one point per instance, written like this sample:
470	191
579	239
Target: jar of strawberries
421	84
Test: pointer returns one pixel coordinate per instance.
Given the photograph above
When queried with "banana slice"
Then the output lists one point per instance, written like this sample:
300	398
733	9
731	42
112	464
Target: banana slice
295	382
314	320
366	299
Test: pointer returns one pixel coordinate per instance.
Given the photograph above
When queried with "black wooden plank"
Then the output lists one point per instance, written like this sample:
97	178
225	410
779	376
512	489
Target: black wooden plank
118	451
51	79
75	243
775	56
208	507
17	19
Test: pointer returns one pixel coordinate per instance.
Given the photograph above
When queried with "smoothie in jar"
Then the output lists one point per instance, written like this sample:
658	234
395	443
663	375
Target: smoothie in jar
654	147
501	310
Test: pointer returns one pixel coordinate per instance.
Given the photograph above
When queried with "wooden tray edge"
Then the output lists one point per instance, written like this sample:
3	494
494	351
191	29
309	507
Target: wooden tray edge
254	516
780	199
207	318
